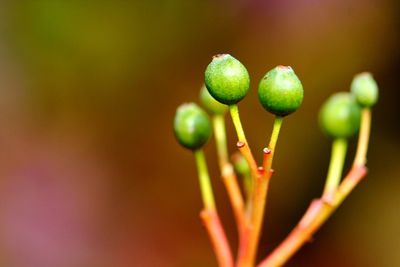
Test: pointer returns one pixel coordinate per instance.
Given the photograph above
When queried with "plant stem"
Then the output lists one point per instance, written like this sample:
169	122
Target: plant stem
363	138
220	139
218	238
318	212
245	175
267	164
234	111
259	197
210	216
242	143
321	209
228	175
246	152
338	155
204	180
248	187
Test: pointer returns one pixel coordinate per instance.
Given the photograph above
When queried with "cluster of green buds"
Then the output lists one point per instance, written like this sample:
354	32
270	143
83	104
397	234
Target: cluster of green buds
280	92
340	114
340	118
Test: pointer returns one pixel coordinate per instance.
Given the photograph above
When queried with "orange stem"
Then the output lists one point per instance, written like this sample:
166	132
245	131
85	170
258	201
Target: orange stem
242	144
244	148
210	216
248	231
259	199
218	238
235	196
321	209
318	212
227	173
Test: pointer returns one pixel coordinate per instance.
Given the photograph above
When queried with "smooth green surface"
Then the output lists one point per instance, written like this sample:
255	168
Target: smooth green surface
338	155
365	89
192	126
210	104
280	91
275	133
240	164
227	79
340	115
242	168
220	139
204	180
234	110
274	140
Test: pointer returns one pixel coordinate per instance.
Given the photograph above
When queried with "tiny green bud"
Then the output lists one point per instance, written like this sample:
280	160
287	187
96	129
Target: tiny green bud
210	104
227	79
340	115
280	91
365	89
240	164
192	126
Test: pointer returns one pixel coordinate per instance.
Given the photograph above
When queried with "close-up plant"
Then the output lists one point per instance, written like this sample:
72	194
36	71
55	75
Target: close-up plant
280	92
201	133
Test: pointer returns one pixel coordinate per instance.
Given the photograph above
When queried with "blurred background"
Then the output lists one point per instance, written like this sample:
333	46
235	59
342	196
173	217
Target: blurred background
91	175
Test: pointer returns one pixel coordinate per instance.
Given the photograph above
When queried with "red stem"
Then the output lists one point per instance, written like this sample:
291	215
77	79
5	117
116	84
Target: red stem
317	213
218	238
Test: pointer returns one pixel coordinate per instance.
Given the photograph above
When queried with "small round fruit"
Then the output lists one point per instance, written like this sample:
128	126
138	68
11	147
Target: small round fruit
210	104
192	126
280	91
240	164
340	115
227	79
365	89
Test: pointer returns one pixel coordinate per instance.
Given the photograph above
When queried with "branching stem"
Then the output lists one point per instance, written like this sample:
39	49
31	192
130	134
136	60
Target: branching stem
318	212
210	216
228	175
321	209
260	190
242	143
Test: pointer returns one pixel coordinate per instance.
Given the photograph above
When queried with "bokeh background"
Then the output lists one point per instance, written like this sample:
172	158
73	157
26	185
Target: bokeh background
91	175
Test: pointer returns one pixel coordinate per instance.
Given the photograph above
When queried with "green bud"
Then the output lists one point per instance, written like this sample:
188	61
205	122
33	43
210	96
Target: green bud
340	115
280	91
240	164
365	89
227	79
192	126
210	103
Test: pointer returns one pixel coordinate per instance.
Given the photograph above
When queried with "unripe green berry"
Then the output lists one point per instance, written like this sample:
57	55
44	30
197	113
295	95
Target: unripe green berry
192	126
210	103
340	115
227	79
365	89
280	91
240	164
